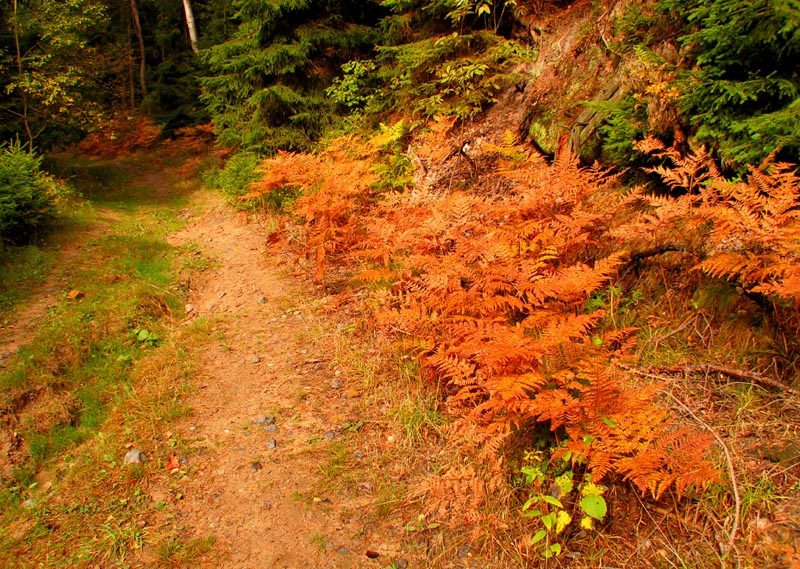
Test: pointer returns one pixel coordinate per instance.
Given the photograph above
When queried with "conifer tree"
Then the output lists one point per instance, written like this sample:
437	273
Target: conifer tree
743	95
265	88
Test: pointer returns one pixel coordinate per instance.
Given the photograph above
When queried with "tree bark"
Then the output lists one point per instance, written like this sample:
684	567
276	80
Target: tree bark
22	89
187	8
137	28
131	87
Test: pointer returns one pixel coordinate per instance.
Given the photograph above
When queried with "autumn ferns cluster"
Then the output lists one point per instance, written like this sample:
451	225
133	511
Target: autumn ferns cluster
744	231
488	293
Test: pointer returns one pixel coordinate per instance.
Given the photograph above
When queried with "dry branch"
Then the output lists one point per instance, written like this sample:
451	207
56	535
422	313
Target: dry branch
705	369
729	460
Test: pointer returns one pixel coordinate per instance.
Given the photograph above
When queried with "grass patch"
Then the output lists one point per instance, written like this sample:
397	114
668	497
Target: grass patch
180	552
103	372
22	269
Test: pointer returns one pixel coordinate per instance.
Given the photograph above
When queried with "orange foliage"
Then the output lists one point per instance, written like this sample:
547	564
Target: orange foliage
745	231
338	189
121	137
489	292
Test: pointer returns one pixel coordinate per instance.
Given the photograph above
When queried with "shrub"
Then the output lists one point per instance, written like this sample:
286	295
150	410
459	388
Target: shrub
239	172
27	195
236	179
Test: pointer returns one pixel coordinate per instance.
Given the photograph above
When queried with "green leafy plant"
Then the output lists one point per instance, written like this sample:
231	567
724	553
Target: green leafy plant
146	337
550	508
353	89
743	93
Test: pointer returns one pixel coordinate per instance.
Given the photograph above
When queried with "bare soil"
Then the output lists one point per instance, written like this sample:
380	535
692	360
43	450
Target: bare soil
271	494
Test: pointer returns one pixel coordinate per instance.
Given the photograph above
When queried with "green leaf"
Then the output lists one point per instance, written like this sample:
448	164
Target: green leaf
549	520
594	506
143	335
564	482
609	422
552	501
538	537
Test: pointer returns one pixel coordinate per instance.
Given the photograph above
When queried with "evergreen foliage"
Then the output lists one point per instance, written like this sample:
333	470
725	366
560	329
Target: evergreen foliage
265	89
237	175
737	87
455	75
744	95
26	193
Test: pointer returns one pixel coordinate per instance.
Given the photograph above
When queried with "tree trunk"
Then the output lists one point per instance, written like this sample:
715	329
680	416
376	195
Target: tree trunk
131	87
22	89
187	8
137	27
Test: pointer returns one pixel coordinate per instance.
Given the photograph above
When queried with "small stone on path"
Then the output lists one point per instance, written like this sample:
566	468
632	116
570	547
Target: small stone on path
134	456
254	359
337	383
400	564
189	308
256	466
264	420
262	299
272	443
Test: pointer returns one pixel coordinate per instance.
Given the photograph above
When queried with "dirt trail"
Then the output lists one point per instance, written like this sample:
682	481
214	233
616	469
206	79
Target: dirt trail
255	484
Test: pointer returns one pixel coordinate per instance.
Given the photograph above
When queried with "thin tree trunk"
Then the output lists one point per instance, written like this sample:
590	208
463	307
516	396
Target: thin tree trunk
137	27
23	92
187	8
131	88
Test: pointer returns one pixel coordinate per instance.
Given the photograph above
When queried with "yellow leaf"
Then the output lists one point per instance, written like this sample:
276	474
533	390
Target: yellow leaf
562	521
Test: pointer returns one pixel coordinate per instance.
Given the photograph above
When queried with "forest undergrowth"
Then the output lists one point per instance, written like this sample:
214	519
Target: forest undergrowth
619	363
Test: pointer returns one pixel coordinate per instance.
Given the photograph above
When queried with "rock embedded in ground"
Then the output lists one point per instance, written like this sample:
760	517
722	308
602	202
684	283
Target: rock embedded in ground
254	359
264	420
400	564
134	456
272	443
337	383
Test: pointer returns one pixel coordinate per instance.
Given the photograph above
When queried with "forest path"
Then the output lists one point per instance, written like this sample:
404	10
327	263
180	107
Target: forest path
280	469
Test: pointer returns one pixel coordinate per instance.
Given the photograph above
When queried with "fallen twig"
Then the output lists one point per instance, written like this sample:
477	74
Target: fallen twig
728	371
731	470
685	324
